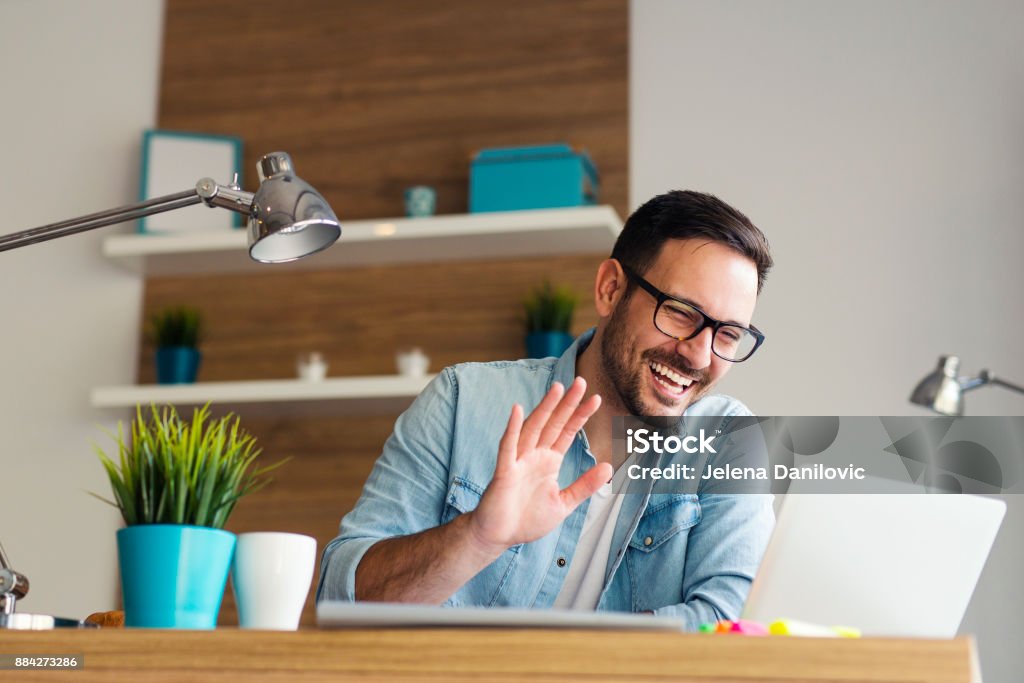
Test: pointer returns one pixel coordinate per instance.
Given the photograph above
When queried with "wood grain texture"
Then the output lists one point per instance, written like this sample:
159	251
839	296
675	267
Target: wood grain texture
493	654
372	97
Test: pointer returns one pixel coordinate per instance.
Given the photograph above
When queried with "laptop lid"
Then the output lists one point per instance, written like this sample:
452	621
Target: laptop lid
888	564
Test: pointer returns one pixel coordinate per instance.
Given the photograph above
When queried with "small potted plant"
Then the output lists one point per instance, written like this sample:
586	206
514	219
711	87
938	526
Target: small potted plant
176	332
175	483
549	313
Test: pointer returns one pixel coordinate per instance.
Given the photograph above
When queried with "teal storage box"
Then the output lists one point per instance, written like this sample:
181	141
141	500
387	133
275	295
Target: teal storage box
540	177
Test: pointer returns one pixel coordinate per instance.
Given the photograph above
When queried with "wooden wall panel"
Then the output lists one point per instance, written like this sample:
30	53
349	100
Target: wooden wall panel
369	98
372	97
257	324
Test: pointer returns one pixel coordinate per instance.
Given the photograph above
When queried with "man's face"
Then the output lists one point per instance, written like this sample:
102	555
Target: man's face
647	370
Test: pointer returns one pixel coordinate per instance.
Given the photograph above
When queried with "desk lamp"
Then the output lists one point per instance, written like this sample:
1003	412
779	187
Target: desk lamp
288	220
943	391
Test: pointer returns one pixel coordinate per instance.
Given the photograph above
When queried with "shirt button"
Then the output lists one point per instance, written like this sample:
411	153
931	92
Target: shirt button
648	540
561	562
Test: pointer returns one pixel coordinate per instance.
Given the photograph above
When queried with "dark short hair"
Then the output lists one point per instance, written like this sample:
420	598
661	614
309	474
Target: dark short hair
684	214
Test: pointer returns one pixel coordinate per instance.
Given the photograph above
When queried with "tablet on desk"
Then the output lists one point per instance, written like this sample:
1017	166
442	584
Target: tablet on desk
341	614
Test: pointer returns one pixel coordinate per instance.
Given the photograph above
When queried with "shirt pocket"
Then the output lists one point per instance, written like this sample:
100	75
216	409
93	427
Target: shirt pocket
666	516
464	496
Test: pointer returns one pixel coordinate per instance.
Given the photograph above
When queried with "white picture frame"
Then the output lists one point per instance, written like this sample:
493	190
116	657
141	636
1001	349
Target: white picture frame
173	161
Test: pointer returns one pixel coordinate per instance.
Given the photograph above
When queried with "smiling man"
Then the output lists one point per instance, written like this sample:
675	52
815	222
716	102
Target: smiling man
474	503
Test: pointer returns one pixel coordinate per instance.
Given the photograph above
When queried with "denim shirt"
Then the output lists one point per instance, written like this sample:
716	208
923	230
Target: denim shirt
688	555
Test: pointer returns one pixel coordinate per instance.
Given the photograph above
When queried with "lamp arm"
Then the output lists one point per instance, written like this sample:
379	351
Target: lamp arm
4	563
986	377
99	219
968	383
992	379
230	197
206	191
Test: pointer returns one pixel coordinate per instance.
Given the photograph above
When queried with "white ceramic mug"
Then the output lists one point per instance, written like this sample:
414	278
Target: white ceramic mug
412	362
311	367
271	576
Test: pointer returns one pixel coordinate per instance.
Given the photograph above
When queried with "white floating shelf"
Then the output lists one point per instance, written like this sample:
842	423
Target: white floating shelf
505	234
341	395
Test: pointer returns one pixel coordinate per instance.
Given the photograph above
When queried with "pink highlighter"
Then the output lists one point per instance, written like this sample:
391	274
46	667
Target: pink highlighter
749	628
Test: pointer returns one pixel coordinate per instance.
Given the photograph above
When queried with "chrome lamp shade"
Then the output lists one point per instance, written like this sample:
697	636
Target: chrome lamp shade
288	219
940	390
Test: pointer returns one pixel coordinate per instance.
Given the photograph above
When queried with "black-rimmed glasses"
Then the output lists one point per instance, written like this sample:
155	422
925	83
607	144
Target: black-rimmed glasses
682	320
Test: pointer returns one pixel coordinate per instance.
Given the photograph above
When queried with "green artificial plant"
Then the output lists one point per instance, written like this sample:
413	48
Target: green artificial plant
174	471
549	309
176	326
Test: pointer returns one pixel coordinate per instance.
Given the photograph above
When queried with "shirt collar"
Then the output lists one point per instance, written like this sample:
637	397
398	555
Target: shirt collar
564	370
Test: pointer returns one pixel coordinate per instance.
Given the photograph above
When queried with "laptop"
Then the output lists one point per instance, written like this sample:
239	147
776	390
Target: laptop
887	564
339	614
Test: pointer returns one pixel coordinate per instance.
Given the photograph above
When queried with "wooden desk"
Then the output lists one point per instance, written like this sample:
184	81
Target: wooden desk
479	655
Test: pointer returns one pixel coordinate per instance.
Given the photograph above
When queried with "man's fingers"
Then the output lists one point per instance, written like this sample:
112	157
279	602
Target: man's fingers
584	487
562	413
539	417
510	440
575	423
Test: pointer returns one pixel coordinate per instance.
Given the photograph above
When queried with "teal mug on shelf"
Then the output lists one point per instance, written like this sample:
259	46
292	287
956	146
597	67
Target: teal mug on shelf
420	201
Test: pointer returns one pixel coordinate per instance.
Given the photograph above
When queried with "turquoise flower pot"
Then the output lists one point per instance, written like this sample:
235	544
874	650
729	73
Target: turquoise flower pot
173	576
545	344
177	364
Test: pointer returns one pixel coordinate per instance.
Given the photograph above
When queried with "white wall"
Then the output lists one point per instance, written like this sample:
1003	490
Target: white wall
78	84
880	146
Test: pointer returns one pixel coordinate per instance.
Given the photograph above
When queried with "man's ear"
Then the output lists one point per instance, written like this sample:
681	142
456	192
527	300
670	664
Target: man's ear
609	286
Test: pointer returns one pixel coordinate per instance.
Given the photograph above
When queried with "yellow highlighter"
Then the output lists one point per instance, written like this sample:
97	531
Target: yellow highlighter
791	627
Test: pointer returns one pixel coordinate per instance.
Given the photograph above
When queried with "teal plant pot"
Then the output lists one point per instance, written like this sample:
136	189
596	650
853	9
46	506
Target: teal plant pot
177	364
173	576
544	344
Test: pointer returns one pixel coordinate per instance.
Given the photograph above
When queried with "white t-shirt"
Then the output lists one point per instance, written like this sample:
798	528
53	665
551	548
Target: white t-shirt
583	584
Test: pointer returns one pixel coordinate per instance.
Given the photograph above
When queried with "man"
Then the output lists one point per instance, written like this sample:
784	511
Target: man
474	503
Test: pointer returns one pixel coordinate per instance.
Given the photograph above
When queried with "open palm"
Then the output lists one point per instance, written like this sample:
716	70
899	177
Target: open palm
523	501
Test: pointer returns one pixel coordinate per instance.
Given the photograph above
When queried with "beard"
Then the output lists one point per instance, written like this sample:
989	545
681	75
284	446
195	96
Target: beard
624	370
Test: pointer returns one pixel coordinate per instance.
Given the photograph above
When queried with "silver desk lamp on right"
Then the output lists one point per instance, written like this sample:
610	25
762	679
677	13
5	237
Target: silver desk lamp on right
943	391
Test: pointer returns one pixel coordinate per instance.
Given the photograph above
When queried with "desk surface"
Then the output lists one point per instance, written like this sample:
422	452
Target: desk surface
478	655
